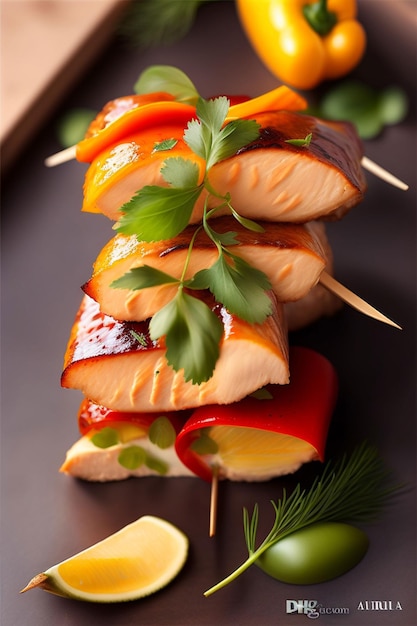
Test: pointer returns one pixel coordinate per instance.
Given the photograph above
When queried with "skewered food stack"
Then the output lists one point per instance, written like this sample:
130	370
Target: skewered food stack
280	187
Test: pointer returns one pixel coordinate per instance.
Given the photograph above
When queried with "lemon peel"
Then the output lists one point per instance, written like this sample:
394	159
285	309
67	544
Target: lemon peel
138	560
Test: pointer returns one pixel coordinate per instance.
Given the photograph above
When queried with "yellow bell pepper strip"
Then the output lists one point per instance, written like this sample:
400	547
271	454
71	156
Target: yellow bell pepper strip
142	113
304	42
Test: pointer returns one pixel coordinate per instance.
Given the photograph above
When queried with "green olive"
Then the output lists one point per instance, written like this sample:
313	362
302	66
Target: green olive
315	554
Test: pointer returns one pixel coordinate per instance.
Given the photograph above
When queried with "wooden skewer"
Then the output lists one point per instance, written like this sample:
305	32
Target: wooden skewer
61	157
353	300
379	171
213	501
69	153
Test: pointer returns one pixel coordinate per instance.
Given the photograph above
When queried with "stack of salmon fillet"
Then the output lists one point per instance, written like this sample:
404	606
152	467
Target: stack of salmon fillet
290	190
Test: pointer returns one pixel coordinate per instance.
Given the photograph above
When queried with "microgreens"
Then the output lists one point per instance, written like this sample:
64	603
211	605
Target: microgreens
140	338
300	143
191	329
166	144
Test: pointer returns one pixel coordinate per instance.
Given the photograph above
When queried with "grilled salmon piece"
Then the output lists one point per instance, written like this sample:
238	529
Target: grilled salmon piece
291	255
105	360
270	179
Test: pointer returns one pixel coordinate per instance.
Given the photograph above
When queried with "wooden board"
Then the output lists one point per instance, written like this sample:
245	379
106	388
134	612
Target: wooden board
45	45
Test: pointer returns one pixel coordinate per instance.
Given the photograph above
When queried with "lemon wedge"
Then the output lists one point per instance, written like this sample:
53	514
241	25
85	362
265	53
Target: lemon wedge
134	562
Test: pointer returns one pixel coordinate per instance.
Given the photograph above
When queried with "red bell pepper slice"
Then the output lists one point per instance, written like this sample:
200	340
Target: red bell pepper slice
301	409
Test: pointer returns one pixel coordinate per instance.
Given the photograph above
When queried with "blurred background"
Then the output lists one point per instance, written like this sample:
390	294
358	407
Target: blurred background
46	45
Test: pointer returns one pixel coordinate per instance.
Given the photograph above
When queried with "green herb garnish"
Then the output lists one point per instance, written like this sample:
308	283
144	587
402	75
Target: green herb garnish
369	109
300	143
166	144
167	78
132	457
352	489
105	438
162	433
156	465
73	126
192	331
140	338
204	444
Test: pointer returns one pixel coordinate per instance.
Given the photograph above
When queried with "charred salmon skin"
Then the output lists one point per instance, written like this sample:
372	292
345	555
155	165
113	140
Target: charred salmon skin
112	368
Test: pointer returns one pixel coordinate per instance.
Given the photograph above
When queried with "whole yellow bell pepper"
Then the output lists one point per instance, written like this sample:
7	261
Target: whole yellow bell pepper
304	42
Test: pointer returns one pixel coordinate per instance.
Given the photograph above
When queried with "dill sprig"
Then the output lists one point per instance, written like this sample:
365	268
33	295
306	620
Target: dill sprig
353	489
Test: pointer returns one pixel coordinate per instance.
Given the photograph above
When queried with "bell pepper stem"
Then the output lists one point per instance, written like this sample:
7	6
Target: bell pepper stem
319	17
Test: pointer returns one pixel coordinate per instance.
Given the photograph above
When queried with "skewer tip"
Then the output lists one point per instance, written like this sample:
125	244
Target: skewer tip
61	157
383	174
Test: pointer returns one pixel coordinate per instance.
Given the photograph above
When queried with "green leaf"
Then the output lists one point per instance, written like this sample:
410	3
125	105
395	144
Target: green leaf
162	433
169	79
212	113
231	138
181	173
156	465
210	139
140	338
228	238
157	213
73	126
204	444
240	287
367	108
165	144
132	457
393	105
247	223
300	143
142	278
200	134
192	335
194	137
105	438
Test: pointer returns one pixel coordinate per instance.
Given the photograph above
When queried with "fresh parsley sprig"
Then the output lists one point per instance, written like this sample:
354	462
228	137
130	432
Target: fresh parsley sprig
352	489
192	331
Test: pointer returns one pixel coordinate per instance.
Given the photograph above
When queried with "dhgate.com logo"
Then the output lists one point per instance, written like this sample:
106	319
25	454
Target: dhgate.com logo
312	609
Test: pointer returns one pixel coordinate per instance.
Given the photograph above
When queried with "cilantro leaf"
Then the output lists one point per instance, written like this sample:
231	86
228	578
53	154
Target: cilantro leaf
232	138
238	286
229	238
195	139
246	222
181	173
192	335
210	139
212	113
157	213
142	277
201	134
